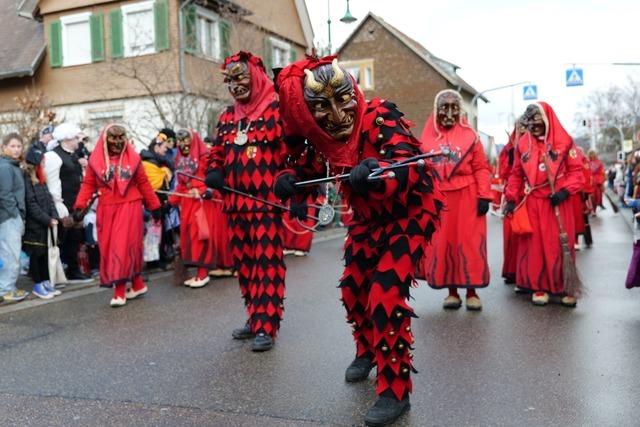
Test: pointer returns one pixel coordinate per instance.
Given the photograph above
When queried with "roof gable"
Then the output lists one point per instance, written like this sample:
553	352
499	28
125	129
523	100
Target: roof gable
23	45
444	68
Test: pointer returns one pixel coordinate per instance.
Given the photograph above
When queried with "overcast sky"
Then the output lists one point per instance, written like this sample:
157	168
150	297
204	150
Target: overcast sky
499	42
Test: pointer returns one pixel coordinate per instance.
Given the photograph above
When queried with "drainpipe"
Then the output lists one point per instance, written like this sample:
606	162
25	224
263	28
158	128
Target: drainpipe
181	44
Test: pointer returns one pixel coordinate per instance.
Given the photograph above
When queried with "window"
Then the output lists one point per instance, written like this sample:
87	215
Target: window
362	71
138	28
280	53
208	29
76	39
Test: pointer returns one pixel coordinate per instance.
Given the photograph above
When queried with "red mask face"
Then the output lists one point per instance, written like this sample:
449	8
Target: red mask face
116	140
238	80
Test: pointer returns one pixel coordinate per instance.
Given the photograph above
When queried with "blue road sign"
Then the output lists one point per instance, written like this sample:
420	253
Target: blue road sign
575	77
530	92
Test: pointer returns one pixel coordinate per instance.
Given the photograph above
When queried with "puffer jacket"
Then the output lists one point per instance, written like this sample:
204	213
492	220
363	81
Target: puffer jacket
12	196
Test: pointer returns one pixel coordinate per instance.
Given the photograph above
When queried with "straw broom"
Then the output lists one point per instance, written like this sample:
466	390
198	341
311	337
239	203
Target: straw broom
572	283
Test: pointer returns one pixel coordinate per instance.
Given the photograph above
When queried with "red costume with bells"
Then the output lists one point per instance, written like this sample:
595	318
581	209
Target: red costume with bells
390	225
539	252
122	186
204	238
250	165
457	257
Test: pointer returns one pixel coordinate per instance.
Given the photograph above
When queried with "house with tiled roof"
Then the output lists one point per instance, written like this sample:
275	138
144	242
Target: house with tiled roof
144	63
389	64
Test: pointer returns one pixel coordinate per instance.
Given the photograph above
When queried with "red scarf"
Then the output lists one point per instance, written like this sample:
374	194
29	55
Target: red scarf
262	90
298	121
197	154
119	177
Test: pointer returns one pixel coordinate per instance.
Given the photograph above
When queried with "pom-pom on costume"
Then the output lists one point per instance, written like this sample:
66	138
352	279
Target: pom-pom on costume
247	156
122	187
203	225
392	219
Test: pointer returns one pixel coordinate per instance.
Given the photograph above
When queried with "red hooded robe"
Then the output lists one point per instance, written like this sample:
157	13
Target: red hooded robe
204	239
122	186
539	253
509	238
457	256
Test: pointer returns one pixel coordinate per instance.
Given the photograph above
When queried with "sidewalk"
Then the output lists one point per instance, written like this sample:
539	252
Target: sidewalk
624	211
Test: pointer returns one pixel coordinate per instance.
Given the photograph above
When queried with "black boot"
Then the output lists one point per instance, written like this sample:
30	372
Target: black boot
386	410
262	342
243	333
359	369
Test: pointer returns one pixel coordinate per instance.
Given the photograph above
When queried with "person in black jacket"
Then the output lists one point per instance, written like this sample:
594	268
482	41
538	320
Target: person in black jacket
41	215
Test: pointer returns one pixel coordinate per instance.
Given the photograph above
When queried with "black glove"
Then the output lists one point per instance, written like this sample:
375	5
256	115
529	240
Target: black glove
77	215
360	173
298	210
207	195
559	197
156	214
509	208
215	179
284	187
483	207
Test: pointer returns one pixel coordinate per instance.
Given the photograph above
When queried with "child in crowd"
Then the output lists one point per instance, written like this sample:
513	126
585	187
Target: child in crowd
12	214
41	215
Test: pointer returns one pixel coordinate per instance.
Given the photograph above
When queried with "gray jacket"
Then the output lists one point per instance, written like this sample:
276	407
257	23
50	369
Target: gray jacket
11	190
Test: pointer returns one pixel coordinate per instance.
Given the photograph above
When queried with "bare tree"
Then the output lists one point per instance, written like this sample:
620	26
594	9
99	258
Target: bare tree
33	112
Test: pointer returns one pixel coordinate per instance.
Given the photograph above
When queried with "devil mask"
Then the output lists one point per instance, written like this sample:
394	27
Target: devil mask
448	109
116	140
330	96
237	76
184	142
535	121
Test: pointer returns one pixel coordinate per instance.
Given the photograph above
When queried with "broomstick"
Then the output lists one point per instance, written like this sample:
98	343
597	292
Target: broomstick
572	283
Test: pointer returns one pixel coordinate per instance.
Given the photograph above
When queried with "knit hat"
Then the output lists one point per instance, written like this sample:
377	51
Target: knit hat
169	133
66	131
34	155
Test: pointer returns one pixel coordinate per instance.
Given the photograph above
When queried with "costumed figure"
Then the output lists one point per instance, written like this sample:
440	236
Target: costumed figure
246	157
204	239
115	175
457	257
509	238
597	171
392	218
547	170
582	203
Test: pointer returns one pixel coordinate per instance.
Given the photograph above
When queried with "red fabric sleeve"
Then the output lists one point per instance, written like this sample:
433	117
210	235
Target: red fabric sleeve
515	183
481	172
87	189
573	178
150	198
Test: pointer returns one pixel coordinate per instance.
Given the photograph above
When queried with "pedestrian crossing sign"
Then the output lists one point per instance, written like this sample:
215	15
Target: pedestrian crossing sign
575	77
530	92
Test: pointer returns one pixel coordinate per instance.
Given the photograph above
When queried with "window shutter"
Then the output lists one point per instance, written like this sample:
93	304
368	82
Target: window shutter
293	55
96	25
115	31
55	44
267	57
189	25
225	39
161	24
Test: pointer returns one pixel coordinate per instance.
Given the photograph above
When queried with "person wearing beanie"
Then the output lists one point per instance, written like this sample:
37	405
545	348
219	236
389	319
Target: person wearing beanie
63	176
41	216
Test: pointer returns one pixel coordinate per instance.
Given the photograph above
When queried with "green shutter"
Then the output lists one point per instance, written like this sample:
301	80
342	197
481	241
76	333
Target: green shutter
189	25
267	55
55	44
161	24
225	39
96	25
115	31
293	54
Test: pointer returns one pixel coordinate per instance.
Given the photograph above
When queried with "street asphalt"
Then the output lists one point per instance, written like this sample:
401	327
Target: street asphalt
168	359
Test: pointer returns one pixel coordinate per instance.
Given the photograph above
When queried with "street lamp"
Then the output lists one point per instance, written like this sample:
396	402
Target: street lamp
347	19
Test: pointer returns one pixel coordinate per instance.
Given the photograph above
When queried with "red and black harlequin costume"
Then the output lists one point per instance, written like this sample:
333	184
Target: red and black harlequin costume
203	226
458	256
539	252
389	228
509	238
256	228
123	186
